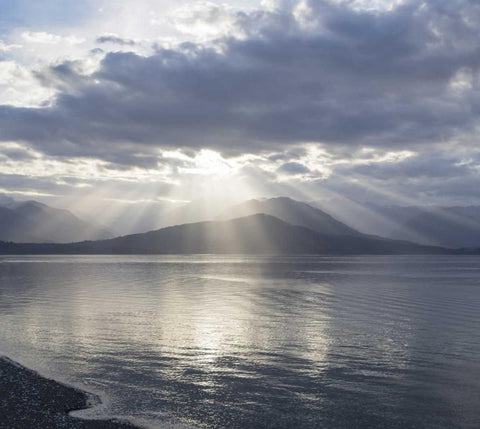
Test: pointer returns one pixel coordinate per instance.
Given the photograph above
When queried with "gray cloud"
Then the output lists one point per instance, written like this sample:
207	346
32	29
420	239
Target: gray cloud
338	76
422	179
421	166
16	154
68	187
116	40
293	168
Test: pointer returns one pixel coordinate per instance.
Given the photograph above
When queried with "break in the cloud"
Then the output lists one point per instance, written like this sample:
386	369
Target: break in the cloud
312	95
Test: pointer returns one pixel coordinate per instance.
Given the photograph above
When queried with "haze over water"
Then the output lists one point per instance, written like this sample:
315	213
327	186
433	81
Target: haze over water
355	342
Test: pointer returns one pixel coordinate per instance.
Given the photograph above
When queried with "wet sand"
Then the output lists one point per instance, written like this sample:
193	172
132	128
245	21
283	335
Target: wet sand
30	401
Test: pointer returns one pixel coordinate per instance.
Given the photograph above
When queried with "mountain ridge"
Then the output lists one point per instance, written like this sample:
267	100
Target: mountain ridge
32	221
255	234
293	212
448	226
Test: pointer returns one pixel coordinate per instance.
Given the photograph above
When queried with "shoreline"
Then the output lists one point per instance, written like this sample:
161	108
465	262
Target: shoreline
33	401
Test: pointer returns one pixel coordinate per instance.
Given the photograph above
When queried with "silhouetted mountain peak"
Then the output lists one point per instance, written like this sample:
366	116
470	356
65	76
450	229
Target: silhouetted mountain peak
32	221
293	212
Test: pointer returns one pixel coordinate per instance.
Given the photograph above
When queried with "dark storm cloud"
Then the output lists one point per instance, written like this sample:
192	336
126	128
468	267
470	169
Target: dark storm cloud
336	75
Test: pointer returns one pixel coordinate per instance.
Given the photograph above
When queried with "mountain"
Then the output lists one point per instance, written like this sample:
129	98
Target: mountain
293	212
440	226
443	226
34	222
255	234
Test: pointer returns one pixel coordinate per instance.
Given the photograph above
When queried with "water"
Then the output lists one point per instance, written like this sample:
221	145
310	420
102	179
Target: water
246	342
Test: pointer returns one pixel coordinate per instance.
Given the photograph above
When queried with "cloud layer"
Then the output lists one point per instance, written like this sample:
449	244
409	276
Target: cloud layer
335	74
332	75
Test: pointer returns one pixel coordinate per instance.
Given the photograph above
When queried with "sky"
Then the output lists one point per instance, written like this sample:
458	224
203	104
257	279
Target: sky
165	102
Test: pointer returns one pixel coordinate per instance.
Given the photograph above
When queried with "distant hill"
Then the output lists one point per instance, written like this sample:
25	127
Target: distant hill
293	212
443	226
256	234
439	226
34	222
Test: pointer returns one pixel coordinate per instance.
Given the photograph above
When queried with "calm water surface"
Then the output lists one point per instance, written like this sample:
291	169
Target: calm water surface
246	342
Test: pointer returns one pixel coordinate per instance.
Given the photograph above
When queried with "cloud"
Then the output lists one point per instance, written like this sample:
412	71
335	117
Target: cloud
115	39
355	78
339	75
204	20
49	38
4	47
413	168
293	168
20	87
